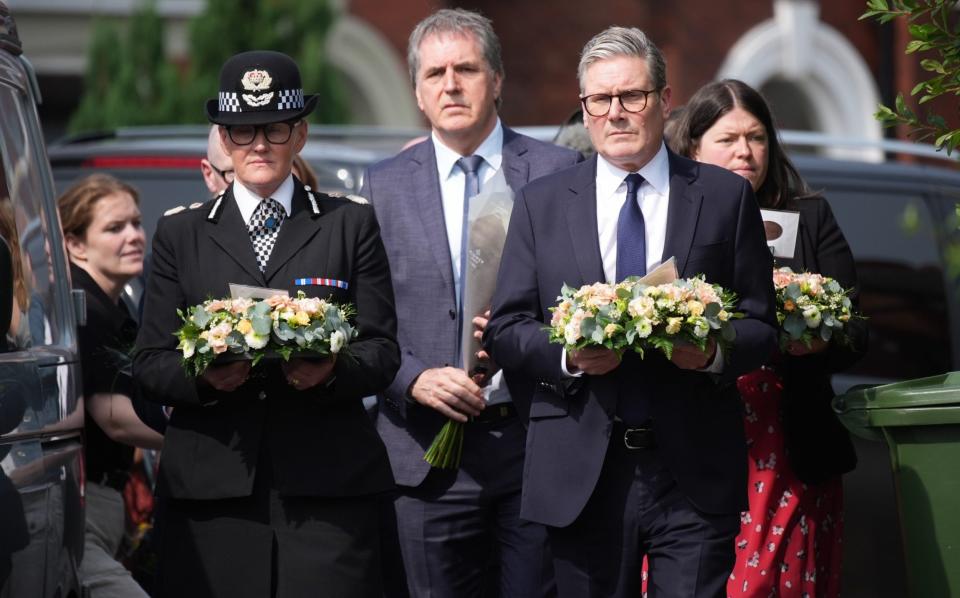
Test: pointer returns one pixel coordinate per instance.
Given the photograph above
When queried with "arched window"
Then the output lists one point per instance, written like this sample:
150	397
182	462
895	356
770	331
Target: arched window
813	76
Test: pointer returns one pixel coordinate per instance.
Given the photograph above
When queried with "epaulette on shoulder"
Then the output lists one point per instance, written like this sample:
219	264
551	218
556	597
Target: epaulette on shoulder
179	209
349	196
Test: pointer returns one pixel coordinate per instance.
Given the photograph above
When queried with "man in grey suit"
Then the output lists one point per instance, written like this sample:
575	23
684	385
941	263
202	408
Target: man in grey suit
460	534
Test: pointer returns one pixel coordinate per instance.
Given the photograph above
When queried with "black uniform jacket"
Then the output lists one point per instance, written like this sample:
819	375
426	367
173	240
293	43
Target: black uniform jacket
818	446
320	441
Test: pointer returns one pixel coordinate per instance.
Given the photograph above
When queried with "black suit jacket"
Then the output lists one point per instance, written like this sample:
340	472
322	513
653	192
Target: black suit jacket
818	445
320	440
713	228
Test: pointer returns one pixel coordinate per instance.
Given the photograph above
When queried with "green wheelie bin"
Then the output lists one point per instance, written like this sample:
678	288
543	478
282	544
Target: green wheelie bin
920	422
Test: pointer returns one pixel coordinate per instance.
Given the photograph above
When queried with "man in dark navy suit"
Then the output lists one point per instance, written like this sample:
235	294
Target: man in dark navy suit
271	476
459	530
634	457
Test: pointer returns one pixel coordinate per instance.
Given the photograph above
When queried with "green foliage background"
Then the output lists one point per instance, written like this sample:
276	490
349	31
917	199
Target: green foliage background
129	82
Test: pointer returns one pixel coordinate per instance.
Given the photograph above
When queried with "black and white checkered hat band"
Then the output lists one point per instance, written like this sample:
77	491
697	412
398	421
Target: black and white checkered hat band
229	102
287	99
290	99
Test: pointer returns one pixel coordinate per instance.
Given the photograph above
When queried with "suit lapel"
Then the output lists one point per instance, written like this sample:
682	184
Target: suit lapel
230	233
425	187
516	169
582	222
295	231
686	198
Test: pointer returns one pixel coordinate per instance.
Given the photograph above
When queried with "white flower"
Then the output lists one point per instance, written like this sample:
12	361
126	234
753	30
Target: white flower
337	340
256	341
701	327
811	316
643	328
188	346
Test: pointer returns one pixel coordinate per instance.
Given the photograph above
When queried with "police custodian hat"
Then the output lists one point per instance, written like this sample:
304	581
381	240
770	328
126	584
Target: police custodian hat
257	88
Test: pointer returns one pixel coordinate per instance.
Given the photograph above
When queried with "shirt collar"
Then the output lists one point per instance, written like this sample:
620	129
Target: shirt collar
247	200
656	172
490	149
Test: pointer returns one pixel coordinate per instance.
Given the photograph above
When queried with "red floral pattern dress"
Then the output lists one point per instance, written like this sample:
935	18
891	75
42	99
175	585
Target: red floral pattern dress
790	540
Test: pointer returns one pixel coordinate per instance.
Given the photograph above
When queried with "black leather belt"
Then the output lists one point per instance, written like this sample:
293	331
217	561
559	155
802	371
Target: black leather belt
634	438
495	413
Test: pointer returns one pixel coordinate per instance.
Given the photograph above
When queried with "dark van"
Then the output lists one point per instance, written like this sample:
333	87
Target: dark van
41	413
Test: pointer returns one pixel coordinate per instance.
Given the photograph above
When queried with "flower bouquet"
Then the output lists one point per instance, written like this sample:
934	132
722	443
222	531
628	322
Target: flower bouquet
811	306
278	325
632	315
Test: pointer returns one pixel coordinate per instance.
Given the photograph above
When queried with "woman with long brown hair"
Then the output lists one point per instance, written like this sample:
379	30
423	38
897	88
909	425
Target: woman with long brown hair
100	216
789	542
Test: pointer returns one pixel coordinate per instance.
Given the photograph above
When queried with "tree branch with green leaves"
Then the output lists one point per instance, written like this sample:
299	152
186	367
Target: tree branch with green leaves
934	27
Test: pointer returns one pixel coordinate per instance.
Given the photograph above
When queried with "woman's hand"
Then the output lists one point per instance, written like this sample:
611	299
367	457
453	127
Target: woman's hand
307	373
228	377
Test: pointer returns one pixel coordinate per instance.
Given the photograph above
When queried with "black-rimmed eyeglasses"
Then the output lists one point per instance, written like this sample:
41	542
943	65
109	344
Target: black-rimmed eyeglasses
634	100
226	174
276	133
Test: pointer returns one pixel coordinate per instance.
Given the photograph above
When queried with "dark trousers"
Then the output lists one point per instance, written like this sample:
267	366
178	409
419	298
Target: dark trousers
460	531
636	510
269	546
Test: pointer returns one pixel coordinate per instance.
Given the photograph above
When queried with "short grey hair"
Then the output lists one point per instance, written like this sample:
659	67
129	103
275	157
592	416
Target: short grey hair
455	21
623	41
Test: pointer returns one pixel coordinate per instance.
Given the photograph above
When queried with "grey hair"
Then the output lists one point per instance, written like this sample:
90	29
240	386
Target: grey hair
455	21
623	41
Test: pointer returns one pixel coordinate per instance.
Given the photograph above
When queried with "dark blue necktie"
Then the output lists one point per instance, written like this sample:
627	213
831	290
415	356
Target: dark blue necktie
631	233
470	165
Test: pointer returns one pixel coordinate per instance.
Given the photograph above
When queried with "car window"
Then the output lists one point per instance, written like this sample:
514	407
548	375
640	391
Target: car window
24	225
896	236
159	189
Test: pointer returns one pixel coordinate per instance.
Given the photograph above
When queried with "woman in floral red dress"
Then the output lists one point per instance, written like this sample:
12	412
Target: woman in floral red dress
790	539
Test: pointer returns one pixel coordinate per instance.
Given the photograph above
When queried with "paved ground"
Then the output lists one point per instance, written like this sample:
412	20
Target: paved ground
873	564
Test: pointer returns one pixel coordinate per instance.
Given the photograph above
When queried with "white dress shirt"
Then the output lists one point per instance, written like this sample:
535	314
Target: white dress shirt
452	184
247	200
453	181
654	199
653	196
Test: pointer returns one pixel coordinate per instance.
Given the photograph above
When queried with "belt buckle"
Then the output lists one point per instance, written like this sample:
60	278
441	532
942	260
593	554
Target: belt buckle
626	438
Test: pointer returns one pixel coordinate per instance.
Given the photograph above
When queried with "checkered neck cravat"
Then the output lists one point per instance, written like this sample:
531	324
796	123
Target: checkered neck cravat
263	228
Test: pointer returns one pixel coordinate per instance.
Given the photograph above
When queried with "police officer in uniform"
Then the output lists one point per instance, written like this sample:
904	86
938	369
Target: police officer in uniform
270	475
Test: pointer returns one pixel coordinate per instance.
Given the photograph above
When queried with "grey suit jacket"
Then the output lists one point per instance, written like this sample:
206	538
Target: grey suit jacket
405	193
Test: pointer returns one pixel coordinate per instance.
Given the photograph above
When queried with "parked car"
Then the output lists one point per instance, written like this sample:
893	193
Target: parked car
41	412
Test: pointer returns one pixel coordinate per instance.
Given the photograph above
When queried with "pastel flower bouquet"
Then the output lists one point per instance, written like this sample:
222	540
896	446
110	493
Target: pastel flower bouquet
278	325
635	316
811	306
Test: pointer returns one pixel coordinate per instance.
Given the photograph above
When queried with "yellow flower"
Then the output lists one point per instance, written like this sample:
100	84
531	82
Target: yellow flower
695	308
244	326
673	325
302	318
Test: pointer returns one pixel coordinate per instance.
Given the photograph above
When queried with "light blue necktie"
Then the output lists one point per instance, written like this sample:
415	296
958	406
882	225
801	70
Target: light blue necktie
470	165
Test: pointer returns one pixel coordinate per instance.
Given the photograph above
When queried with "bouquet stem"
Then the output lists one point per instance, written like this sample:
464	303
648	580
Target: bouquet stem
447	446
